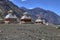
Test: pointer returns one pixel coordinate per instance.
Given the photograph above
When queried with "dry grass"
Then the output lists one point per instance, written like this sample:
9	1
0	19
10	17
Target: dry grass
28	32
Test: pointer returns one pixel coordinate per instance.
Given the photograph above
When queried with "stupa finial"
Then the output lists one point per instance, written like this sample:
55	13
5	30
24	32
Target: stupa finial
10	11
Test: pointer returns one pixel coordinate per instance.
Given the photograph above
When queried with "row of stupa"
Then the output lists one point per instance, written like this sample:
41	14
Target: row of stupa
25	19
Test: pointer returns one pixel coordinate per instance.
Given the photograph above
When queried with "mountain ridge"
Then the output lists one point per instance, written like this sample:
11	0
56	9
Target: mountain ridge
51	17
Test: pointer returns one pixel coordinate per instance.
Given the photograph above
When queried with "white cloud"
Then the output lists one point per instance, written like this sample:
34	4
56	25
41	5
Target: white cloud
23	0
31	8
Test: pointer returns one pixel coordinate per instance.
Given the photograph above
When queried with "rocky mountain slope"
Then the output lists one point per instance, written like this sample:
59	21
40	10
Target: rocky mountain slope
6	5
48	15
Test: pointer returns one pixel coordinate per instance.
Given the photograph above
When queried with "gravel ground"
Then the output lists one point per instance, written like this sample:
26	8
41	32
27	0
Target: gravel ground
29	32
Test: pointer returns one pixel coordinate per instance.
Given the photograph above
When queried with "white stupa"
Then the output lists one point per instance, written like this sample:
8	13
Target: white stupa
25	18
39	21
10	18
45	23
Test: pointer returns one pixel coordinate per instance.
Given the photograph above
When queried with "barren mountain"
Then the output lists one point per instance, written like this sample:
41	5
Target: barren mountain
6	5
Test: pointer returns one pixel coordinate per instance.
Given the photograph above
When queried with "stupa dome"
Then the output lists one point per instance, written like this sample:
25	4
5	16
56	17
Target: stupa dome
26	16
39	20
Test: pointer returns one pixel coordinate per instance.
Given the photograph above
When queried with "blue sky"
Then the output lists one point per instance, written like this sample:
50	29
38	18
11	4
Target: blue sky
53	5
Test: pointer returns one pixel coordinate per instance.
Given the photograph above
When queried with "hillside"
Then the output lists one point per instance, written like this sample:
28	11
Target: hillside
6	5
28	32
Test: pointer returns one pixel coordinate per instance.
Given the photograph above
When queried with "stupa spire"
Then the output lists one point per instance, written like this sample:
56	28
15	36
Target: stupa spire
10	11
